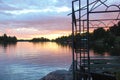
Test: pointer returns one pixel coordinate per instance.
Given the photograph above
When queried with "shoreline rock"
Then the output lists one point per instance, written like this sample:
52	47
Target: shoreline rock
58	75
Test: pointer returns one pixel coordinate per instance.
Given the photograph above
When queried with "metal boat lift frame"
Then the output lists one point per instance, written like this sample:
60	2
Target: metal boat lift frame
82	23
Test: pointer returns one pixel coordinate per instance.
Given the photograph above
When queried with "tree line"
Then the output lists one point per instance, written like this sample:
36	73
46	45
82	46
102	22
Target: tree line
42	39
7	39
110	37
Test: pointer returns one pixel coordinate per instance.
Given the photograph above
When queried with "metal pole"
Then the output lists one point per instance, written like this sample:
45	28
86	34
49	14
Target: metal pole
88	38
73	64
79	16
80	29
105	11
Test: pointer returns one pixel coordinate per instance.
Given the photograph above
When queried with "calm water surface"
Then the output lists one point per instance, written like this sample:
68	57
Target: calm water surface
32	61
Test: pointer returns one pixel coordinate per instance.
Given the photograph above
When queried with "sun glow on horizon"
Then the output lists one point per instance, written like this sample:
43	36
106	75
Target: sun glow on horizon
30	33
49	35
53	35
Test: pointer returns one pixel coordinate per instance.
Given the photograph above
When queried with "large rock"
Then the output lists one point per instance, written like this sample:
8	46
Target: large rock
58	75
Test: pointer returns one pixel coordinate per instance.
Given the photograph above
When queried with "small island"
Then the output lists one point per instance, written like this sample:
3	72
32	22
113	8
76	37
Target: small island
7	39
42	39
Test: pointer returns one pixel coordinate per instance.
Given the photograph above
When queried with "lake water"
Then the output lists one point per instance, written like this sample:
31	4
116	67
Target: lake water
32	61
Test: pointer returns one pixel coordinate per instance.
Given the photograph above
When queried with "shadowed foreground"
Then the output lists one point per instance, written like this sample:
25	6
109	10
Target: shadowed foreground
58	75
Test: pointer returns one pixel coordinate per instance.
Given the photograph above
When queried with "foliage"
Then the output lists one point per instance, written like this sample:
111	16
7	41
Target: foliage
63	39
99	36
42	39
109	40
115	29
99	33
7	39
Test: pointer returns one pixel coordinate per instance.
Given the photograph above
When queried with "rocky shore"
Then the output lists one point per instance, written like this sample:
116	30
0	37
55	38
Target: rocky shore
58	75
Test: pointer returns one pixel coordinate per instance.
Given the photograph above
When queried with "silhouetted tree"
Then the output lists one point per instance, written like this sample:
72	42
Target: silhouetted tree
42	39
61	39
99	33
109	40
115	29
6	39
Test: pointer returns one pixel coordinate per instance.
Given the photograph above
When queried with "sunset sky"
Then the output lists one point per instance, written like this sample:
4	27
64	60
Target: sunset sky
26	19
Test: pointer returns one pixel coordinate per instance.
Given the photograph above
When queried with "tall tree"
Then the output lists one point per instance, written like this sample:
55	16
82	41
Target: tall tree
99	33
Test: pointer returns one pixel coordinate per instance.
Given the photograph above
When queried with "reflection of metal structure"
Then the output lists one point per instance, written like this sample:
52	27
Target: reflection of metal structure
93	14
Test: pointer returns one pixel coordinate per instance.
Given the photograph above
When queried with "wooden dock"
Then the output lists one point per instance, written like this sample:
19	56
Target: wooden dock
105	64
104	68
